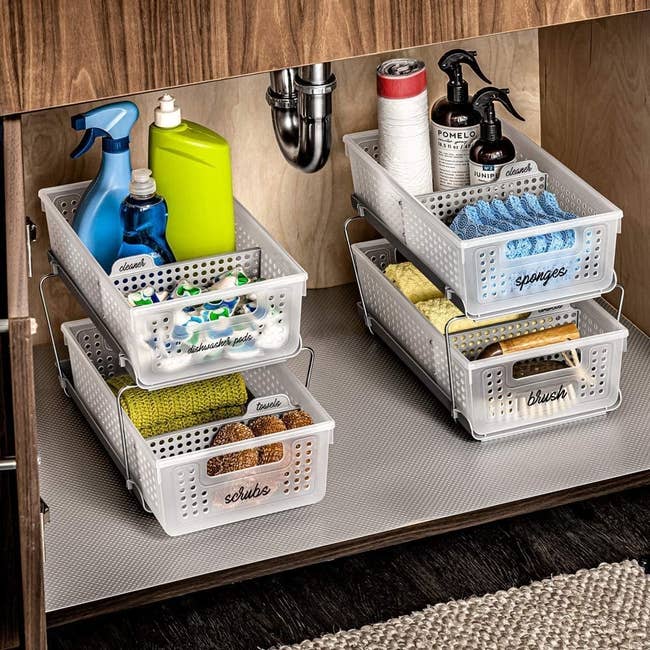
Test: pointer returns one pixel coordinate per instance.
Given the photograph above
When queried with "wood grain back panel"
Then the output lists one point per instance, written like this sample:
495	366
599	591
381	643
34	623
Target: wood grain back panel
305	212
56	52
595	119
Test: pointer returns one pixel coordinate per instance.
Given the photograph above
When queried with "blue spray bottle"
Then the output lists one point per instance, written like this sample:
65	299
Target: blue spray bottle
97	221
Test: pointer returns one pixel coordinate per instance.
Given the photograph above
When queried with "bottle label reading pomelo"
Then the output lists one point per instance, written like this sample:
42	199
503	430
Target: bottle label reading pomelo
480	174
450	152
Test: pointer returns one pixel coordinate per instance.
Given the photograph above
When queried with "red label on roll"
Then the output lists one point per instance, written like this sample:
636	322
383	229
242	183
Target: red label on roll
401	78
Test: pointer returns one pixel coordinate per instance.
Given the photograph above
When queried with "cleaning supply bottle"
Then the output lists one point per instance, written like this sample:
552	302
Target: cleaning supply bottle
97	220
191	165
454	123
491	150
144	220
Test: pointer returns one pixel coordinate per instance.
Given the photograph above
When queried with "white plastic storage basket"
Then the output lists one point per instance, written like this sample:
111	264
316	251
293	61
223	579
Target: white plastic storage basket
479	270
170	470
157	356
485	391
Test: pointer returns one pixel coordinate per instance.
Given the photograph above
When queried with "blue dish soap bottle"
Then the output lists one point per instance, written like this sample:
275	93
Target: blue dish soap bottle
97	221
144	219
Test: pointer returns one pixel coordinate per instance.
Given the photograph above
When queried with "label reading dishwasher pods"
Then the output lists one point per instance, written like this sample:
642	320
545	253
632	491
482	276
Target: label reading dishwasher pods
450	151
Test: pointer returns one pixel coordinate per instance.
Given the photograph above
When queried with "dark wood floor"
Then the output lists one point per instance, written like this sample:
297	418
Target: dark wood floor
355	591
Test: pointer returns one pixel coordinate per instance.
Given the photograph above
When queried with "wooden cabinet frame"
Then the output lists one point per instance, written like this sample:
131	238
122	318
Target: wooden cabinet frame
22	390
371	31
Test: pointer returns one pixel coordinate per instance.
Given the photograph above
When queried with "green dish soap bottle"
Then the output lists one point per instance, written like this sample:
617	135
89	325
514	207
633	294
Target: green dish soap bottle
191	165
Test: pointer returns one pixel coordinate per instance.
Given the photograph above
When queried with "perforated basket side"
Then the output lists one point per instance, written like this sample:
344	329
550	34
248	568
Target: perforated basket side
92	361
573	193
585	268
395	312
371	181
485	392
268	335
193	500
498	401
170	469
60	204
487	281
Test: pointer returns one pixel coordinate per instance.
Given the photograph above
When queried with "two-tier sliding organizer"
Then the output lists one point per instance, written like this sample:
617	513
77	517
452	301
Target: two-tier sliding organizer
169	472
480	276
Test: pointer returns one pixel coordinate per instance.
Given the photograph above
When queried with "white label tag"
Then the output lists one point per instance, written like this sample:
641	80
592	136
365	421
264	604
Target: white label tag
484	173
518	168
133	263
268	404
450	153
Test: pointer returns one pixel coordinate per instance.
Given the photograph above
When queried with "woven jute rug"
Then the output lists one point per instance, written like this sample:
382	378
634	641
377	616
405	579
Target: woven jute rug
595	609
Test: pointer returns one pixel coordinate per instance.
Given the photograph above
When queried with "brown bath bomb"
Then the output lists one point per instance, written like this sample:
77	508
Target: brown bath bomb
263	426
232	432
296	419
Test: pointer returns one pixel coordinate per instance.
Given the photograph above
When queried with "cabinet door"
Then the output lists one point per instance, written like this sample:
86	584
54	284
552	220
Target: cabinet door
11	591
22	615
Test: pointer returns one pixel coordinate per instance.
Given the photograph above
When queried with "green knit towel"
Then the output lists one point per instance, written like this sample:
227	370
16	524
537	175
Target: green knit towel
180	407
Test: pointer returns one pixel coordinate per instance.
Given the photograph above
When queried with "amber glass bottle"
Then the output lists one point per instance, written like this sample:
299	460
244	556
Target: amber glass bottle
491	150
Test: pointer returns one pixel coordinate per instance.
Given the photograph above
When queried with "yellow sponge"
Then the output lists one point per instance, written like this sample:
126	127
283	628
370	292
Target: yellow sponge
413	284
179	407
440	310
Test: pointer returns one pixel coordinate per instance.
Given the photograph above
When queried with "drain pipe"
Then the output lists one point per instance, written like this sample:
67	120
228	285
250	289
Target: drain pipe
301	110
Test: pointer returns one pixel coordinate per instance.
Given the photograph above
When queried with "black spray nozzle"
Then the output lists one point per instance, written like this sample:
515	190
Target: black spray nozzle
483	102
450	63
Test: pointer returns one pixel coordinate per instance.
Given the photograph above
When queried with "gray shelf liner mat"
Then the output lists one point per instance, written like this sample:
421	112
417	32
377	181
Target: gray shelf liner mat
397	460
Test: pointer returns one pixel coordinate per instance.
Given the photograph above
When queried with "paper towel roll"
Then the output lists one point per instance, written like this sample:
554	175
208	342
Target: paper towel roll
403	118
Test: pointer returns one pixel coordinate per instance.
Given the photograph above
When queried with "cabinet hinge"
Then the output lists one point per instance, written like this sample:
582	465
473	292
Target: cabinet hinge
31	234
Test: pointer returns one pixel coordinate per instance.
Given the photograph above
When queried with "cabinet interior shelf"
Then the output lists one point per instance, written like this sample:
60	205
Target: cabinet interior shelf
399	469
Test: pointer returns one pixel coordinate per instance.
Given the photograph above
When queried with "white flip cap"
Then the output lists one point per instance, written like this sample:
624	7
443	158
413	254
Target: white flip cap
142	183
167	115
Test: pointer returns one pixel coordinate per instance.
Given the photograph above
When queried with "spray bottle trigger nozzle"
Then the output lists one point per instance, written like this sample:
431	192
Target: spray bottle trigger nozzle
473	63
450	63
483	102
505	100
87	140
78	122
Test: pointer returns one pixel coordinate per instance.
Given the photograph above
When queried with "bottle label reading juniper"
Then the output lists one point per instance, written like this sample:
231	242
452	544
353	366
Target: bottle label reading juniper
480	174
450	151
